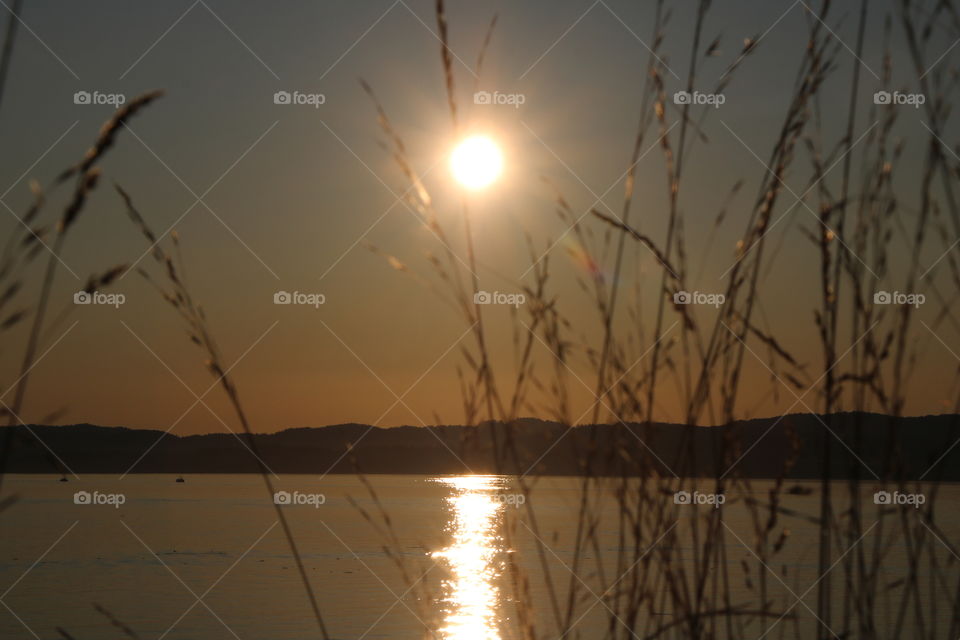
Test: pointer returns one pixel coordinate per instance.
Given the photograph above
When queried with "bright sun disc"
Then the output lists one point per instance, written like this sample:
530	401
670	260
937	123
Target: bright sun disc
476	162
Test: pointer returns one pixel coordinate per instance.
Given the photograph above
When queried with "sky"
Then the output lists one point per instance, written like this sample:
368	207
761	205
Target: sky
269	197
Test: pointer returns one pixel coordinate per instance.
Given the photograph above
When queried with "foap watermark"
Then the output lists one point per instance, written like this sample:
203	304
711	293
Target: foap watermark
299	98
510	499
97	98
285	498
897	498
698	98
485	297
912	299
509	99
698	297
100	499
697	498
98	297
910	99
311	299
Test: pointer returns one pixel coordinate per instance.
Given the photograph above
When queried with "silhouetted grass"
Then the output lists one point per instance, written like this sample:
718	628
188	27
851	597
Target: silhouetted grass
665	562
866	358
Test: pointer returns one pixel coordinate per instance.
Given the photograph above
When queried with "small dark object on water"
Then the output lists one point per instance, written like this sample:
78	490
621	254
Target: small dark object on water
63	478
180	479
797	490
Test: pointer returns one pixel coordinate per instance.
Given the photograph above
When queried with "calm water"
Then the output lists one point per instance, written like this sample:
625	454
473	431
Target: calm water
207	558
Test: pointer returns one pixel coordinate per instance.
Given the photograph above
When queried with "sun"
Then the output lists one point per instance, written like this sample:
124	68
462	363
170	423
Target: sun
476	162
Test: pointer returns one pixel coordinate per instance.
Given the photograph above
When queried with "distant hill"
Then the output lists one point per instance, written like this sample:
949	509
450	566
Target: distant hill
906	447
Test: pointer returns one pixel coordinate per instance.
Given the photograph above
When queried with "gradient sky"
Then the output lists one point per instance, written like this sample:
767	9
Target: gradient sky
296	187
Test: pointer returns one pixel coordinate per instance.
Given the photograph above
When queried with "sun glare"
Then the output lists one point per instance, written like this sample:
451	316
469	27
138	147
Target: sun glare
472	597
476	162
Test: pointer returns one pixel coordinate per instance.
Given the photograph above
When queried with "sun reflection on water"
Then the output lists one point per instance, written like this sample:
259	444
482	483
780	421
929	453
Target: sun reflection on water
473	557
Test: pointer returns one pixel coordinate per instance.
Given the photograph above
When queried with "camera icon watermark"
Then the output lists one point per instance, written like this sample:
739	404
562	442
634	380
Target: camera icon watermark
99	298
285	498
114	500
715	500
310	299
712	299
897	98
98	98
887	498
512	299
912	299
299	98
496	98
714	100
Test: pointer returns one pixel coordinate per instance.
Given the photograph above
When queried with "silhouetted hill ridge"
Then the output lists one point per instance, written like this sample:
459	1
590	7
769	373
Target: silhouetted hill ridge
862	443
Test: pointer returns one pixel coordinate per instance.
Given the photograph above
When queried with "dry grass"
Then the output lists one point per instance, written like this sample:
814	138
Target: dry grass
707	362
658	566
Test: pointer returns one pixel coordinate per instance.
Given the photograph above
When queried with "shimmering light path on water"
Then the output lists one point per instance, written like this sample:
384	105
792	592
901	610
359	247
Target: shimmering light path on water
473	557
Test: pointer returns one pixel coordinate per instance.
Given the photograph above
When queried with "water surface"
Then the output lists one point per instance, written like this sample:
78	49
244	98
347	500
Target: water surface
389	558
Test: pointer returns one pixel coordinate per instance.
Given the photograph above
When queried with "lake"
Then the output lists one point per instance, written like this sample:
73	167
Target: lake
206	558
